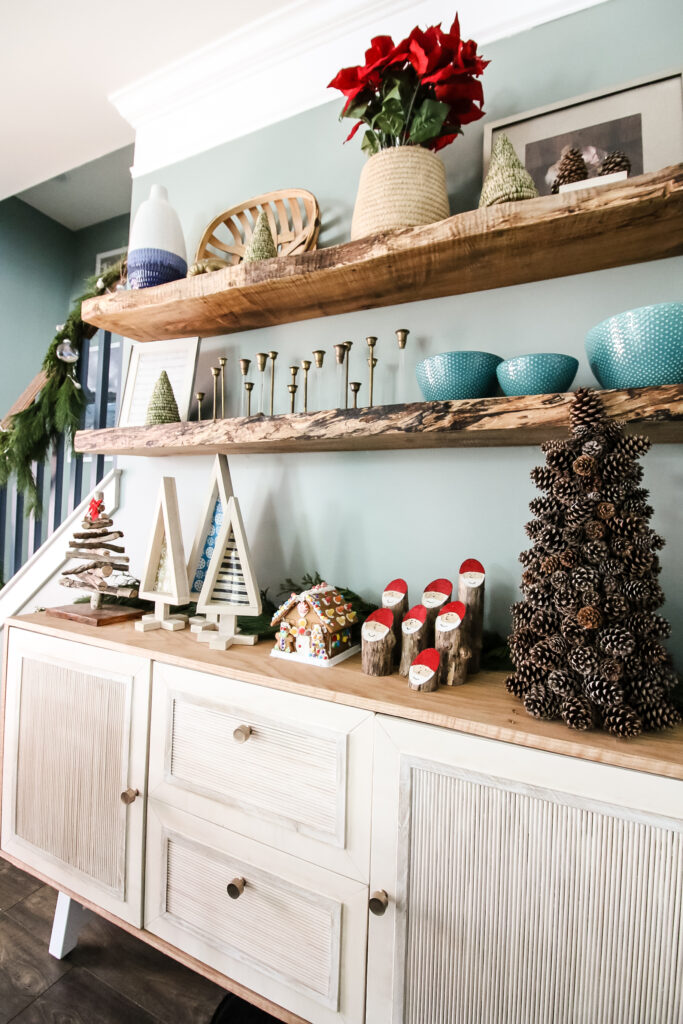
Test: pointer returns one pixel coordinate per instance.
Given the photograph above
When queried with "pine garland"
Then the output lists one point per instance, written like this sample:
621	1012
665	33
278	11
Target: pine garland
58	408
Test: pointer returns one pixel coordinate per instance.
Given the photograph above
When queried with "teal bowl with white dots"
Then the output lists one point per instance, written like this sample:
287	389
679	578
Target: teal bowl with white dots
540	373
450	376
639	348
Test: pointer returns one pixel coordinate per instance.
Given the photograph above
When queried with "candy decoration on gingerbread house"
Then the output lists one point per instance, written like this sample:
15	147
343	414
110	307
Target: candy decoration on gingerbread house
315	627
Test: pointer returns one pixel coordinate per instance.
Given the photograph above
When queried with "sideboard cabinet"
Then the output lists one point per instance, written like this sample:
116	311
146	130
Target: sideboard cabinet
334	863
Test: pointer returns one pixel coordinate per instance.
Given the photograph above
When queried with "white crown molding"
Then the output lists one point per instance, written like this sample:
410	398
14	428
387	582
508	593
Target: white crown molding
279	65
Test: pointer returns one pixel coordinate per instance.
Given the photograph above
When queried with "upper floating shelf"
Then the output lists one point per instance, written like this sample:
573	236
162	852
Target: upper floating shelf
470	423
610	226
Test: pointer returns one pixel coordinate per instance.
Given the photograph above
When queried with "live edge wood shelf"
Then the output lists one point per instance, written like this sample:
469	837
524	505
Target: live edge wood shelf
629	222
470	423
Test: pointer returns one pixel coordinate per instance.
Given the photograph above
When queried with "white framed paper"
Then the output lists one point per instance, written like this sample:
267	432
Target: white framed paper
147	359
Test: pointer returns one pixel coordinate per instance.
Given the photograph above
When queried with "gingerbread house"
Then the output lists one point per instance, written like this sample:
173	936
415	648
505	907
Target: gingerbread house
315	627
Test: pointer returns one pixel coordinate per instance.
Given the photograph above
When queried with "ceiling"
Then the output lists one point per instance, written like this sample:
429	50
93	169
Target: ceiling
58	64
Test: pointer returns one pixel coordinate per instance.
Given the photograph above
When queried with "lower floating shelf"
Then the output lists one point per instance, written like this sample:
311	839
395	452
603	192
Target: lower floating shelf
473	423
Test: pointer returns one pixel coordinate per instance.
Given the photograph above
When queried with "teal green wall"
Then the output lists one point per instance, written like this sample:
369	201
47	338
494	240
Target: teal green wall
36	258
102	237
363	518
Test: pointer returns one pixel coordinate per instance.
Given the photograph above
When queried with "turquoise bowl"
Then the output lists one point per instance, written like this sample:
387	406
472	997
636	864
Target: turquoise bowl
454	375
639	348
540	373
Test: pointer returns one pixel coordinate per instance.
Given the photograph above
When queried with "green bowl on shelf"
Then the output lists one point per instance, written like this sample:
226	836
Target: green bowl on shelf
450	376
639	348
539	373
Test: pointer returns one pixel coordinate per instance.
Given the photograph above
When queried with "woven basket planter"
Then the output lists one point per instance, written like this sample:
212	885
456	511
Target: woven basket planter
400	188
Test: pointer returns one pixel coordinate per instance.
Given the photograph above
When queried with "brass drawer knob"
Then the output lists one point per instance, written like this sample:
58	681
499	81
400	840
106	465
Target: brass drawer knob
236	888
378	902
128	795
242	733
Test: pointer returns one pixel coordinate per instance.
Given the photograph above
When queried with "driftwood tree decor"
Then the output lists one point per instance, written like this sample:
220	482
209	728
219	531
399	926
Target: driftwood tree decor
208	528
413	636
164	580
104	569
424	672
436	594
471	587
378	641
451	644
395	597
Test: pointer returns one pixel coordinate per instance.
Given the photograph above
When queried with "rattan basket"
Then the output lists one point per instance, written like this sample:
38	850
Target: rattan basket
400	188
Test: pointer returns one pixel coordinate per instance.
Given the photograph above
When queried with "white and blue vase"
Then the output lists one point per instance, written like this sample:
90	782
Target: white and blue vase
156	250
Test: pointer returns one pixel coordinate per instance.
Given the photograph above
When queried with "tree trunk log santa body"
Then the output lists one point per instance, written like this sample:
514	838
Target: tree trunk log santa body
378	641
395	597
424	672
451	643
413	637
436	594
471	584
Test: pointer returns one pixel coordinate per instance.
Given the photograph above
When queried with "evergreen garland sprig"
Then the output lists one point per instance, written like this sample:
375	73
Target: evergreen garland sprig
58	407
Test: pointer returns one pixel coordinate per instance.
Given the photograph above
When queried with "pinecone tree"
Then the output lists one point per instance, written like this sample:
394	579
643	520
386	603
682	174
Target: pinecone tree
614	162
572	167
261	245
105	569
586	642
162	407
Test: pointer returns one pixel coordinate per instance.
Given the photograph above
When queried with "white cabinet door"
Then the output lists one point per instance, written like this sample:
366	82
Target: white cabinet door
295	933
290	771
523	886
76	721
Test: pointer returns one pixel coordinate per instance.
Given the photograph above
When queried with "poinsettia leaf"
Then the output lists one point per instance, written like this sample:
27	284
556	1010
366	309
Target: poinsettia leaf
428	121
356	109
390	118
370	143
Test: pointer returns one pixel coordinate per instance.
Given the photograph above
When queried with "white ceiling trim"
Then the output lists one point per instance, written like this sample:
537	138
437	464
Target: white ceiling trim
280	65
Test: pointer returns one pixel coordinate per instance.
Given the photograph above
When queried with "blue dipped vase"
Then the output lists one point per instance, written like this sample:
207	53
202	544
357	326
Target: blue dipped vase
156	251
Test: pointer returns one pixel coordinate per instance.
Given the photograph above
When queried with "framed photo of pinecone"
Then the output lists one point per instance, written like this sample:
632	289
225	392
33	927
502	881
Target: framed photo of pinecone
635	128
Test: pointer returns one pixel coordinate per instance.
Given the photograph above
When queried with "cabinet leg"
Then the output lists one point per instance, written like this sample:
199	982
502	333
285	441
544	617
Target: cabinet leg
68	920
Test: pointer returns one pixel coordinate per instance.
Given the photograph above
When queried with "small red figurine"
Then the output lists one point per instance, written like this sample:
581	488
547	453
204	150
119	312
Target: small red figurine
95	506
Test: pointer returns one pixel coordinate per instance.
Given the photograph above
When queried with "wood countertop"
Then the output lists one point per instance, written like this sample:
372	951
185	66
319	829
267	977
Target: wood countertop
482	707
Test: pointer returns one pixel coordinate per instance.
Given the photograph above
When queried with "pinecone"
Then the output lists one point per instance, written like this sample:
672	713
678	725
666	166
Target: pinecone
594	530
550	564
543	477
652	652
528	577
521	642
569	558
572	167
576	712
579	512
527	557
551	538
617	466
614	162
543	504
611	669
593	448
622	548
586	410
566	601
606	510
539	702
622	720
559	580
628	526
595	551
561	683
602	691
533	528
616	607
544	621
572	632
529	673
515	686
618	641
584	660
661	627
584	465
633	445
572	536
660	716
543	655
589	617
559	459
638	591
640	561
584	577
521	614
566	491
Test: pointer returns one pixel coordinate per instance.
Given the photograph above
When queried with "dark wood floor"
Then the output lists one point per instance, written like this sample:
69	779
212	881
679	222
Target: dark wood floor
110	978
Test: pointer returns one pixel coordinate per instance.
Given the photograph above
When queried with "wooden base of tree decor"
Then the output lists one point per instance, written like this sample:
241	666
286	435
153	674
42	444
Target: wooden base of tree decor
471	587
413	637
378	642
395	597
435	595
107	615
424	672
451	644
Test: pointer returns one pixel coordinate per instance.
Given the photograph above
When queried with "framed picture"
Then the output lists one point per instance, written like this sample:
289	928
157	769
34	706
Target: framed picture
147	360
104	260
643	119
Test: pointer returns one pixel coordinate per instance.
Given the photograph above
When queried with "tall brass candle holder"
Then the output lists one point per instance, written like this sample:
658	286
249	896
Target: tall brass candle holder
305	366
223	360
200	398
261	360
292	388
215	370
347	346
248	387
401	338
272	356
340	356
318	357
355	388
244	370
372	363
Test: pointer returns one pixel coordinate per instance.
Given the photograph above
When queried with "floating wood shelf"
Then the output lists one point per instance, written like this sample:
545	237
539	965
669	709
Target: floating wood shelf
629	222
467	424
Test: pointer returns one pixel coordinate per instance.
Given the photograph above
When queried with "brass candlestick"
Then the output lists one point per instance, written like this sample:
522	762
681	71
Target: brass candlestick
347	346
215	370
223	360
318	356
401	376
340	356
272	356
292	388
293	371
200	398
248	387
402	337
355	387
244	370
305	366
261	360
372	363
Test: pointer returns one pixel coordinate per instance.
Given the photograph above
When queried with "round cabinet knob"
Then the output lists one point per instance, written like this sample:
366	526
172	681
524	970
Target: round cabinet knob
236	888
128	795
378	902
242	733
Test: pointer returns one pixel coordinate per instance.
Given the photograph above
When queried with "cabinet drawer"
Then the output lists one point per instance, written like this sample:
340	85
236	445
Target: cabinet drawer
295	777
296	934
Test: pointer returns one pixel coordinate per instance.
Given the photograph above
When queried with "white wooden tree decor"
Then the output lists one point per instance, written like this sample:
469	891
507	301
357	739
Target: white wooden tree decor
208	529
164	580
230	588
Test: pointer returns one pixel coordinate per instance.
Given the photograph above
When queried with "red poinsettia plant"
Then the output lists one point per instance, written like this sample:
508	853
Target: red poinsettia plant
419	92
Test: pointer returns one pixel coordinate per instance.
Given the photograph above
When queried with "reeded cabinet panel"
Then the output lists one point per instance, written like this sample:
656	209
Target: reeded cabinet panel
75	734
524	898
